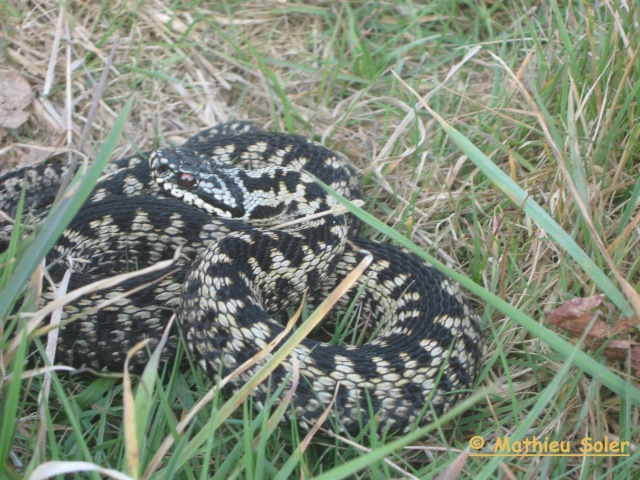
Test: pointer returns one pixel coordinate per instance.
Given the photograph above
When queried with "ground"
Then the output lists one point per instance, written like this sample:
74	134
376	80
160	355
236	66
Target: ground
500	137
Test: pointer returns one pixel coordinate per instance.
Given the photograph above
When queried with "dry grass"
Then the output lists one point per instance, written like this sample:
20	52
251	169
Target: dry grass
563	127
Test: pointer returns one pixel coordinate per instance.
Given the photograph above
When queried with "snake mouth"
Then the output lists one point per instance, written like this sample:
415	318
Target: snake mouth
202	200
217	204
191	199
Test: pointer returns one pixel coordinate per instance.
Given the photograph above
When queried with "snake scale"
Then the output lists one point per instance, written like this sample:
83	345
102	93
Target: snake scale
220	199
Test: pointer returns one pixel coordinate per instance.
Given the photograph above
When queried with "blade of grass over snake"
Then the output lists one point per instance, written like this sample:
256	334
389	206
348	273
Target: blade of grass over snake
213	392
277	358
582	360
131	424
10	406
16	235
535	211
60	215
60	302
138	408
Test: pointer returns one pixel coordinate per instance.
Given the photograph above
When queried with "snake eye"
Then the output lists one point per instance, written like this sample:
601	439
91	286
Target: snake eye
186	180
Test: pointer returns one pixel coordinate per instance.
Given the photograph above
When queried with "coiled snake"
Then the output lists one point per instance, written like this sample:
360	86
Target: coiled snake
218	199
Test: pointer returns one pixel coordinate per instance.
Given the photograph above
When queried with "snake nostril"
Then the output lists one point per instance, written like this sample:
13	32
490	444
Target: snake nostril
162	170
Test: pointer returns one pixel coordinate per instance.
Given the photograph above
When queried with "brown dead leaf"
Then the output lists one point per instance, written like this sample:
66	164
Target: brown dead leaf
624	325
574	308
575	316
635	360
622	350
15	95
617	349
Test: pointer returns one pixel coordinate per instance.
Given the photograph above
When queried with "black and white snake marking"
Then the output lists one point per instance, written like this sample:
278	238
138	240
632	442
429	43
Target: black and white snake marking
220	198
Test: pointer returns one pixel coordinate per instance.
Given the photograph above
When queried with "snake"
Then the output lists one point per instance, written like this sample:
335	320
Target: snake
256	236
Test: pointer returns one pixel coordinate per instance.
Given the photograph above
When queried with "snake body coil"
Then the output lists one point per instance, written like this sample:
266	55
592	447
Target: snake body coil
221	199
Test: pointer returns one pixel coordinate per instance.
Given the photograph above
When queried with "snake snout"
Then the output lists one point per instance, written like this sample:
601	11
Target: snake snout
160	163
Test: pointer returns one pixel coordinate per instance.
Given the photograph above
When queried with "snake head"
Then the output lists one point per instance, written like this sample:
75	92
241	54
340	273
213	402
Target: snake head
177	166
198	180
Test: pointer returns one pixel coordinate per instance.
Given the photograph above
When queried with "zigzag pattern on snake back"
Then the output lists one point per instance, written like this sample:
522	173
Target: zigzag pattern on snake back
220	198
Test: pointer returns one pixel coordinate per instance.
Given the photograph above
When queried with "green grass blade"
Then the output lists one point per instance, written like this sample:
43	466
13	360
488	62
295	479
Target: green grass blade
10	405
60	216
533	415
582	360
277	357
360	463
539	215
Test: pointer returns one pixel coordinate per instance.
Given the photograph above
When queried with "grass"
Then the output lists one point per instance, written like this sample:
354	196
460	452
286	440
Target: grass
498	138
